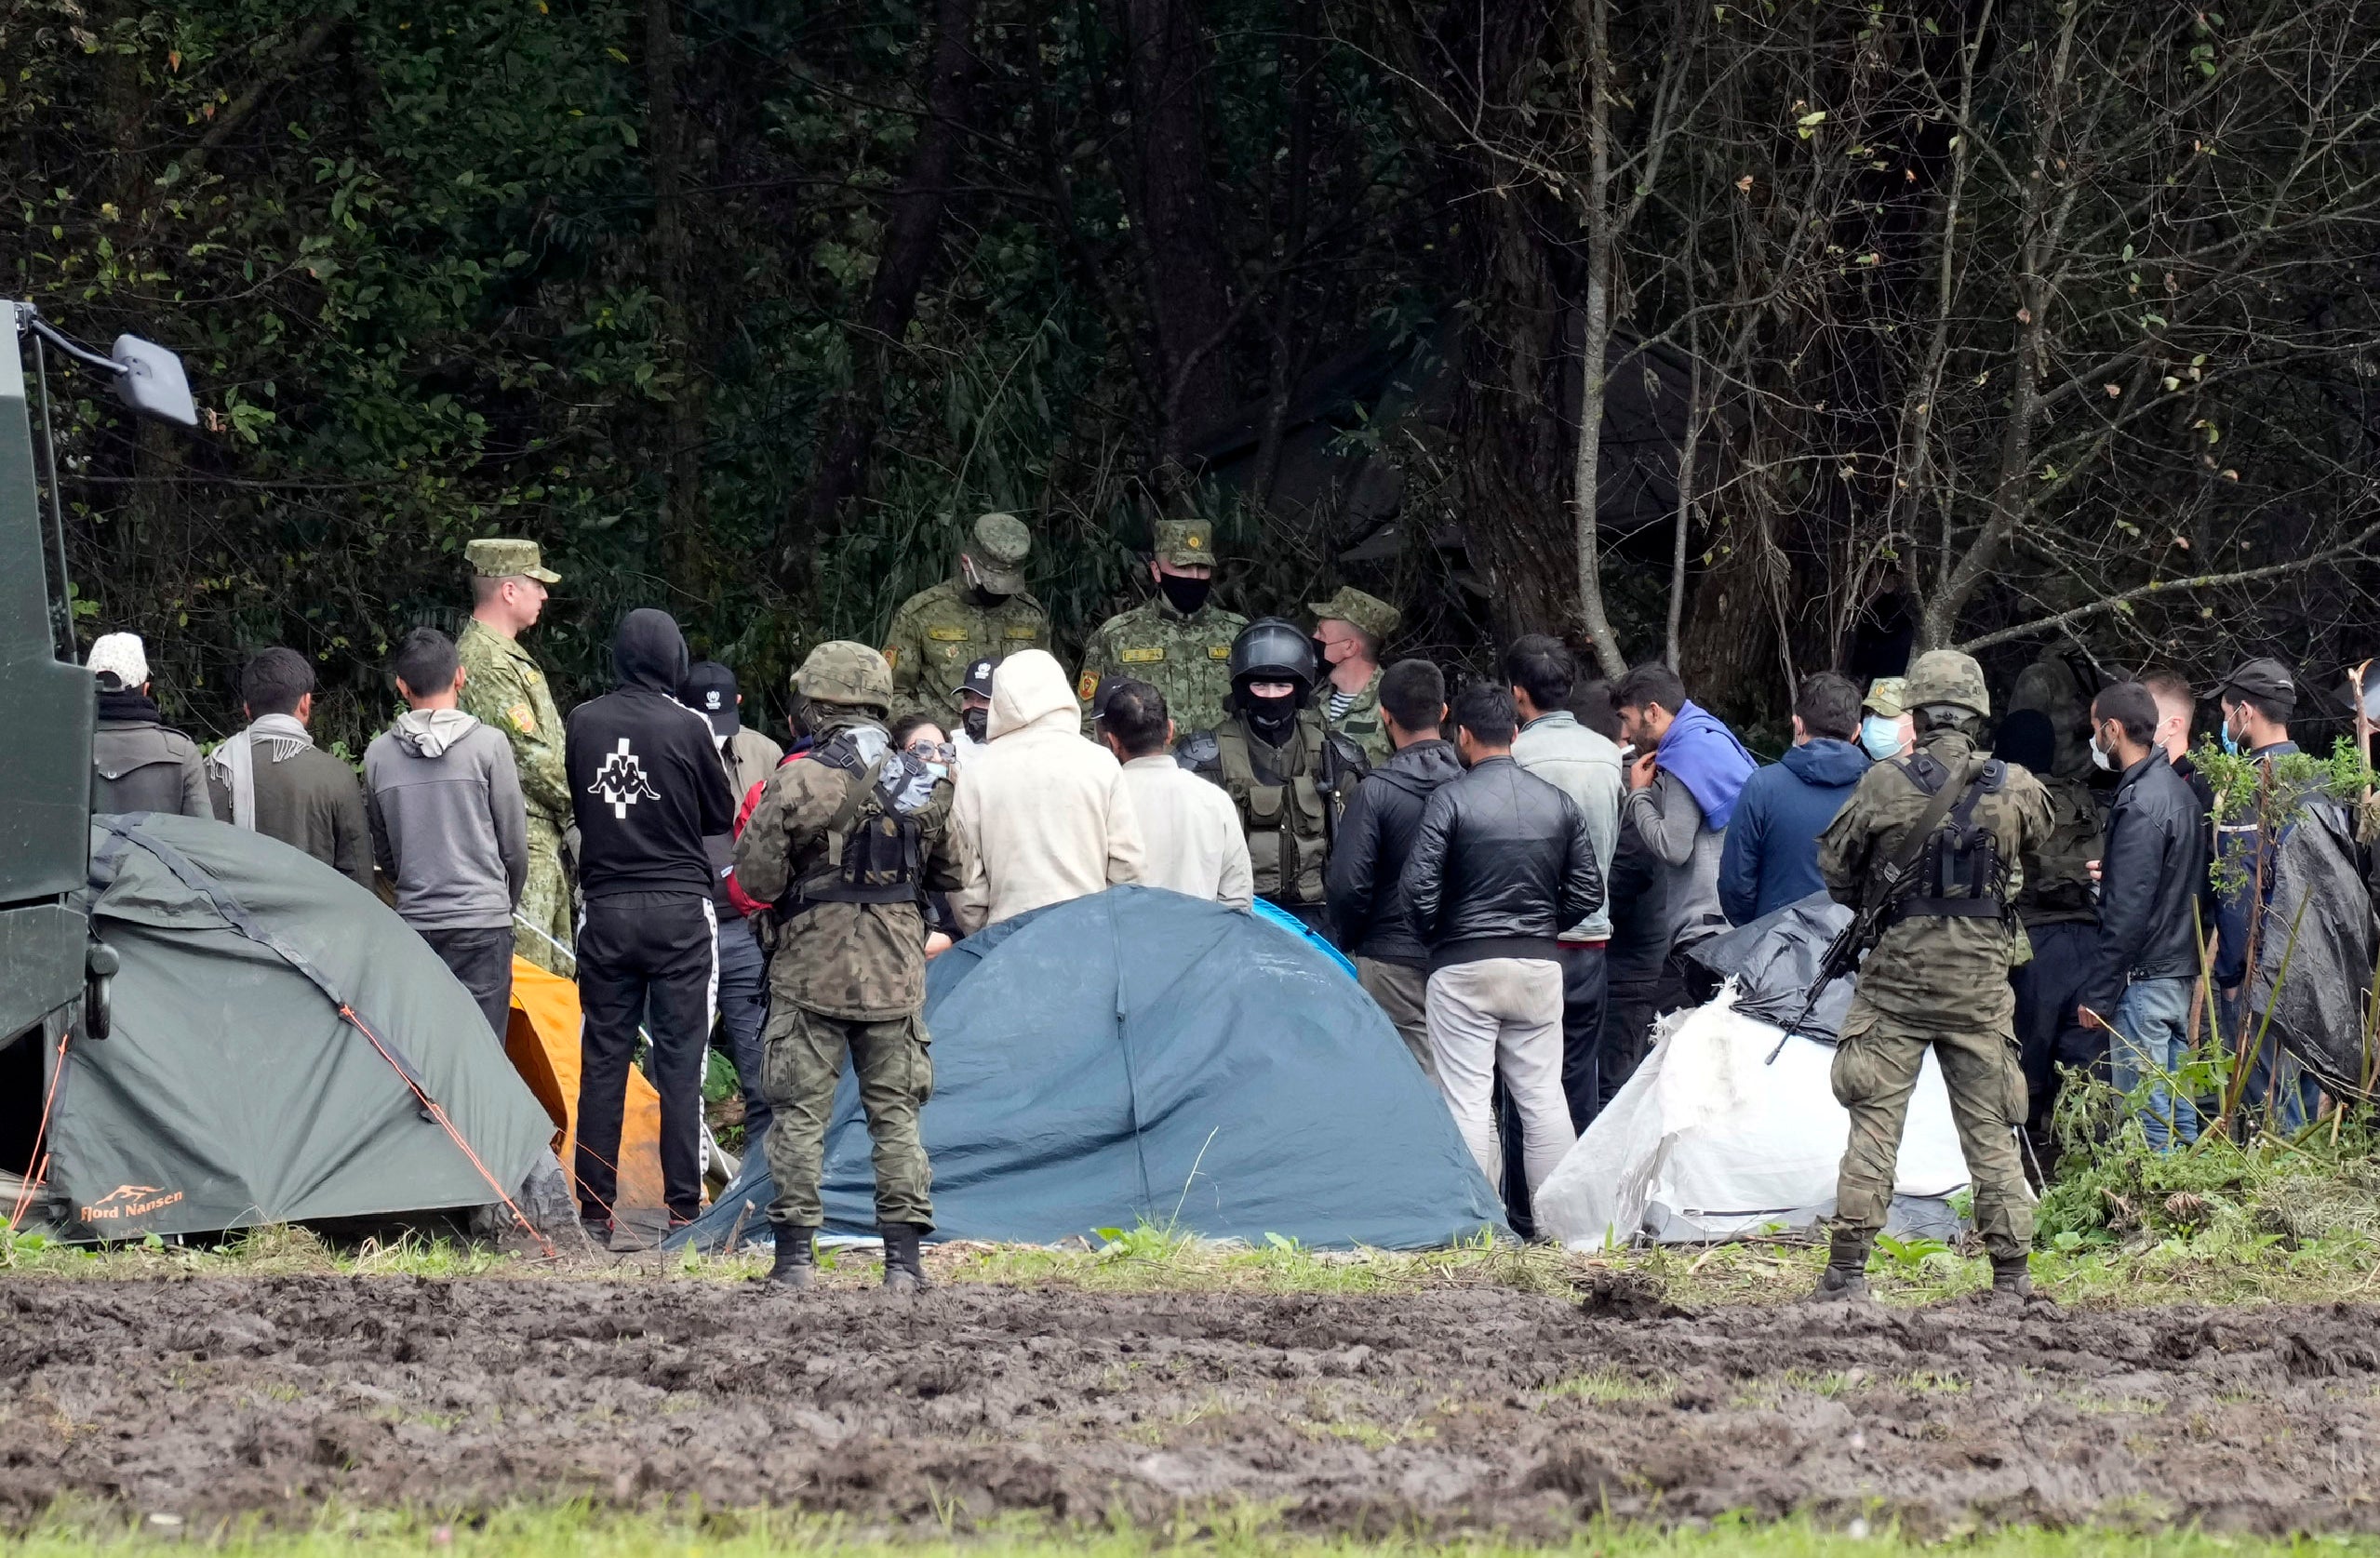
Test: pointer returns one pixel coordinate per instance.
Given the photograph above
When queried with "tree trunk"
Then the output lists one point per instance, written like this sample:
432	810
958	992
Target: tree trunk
1176	224
1595	340
911	240
685	521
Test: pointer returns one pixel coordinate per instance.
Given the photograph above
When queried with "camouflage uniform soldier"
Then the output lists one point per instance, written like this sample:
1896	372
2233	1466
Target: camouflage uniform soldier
845	845
983	613
503	686
1351	627
1937	976
1180	642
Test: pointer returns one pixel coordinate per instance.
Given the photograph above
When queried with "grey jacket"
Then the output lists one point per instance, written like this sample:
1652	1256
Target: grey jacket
145	764
1585	766
449	828
1671	823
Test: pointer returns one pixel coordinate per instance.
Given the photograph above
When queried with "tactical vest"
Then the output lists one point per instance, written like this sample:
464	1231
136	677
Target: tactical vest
874	844
1282	814
1959	873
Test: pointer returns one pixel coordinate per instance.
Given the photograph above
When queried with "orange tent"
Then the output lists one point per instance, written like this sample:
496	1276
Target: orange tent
543	1042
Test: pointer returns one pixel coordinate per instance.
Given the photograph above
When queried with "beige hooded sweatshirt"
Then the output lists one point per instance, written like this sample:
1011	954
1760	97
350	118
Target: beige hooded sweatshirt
1043	810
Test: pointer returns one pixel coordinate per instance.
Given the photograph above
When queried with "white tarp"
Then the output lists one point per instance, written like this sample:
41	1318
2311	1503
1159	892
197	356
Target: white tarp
1708	1142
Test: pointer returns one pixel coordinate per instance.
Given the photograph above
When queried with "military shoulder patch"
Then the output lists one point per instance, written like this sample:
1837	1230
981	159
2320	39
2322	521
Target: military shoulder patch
1085	686
522	718
1147	656
892	656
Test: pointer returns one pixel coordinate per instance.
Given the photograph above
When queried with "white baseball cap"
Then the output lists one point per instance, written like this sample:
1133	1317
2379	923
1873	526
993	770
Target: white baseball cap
122	657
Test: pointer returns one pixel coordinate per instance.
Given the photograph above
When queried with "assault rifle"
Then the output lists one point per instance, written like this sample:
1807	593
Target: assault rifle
1888	883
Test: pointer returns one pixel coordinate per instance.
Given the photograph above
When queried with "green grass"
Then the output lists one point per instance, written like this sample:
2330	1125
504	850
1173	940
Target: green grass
2101	1269
572	1530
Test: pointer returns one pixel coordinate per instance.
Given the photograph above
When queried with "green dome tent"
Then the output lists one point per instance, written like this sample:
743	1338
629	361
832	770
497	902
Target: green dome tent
283	1048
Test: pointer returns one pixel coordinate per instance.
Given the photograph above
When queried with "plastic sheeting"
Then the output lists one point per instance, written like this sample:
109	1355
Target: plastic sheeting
1707	1141
1144	1055
1773	961
2315	957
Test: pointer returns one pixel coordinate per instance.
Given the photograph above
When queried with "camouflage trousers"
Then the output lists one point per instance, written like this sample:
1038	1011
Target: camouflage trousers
545	902
1876	1070
801	1064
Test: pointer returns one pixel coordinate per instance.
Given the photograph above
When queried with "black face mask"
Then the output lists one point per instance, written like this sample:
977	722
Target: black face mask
977	723
1271	718
1186	594
983	599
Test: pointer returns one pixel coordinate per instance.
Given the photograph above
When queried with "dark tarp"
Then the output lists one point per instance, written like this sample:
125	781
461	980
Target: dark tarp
1139	1054
2320	925
1774	962
230	1091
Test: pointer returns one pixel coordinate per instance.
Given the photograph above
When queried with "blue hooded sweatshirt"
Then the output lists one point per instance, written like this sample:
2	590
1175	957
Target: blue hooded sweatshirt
1770	856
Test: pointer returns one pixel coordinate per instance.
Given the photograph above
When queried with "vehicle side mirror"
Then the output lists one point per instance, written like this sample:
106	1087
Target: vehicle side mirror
153	382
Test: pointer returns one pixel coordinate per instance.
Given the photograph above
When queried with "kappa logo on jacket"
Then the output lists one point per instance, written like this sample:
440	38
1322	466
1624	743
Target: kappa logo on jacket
622	780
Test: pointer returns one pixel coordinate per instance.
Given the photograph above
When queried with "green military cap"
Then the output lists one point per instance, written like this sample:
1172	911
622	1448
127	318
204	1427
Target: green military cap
999	546
1888	696
1185	543
505	556
1370	613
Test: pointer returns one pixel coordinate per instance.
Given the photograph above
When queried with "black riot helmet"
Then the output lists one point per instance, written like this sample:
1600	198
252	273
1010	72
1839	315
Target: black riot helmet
1273	649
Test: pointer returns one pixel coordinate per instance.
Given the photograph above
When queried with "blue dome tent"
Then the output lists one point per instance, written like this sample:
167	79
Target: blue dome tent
1141	1054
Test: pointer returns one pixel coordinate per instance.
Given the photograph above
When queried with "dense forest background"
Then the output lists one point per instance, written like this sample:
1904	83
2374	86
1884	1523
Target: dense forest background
1859	325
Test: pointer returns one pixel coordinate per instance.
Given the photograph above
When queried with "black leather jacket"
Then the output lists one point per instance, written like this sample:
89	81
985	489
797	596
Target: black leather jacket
1500	865
1368	914
2152	866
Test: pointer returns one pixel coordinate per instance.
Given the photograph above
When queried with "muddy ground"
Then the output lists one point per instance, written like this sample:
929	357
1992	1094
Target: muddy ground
1468	1409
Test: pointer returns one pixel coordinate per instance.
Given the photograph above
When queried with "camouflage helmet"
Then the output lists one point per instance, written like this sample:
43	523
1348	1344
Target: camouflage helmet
1947	676
842	671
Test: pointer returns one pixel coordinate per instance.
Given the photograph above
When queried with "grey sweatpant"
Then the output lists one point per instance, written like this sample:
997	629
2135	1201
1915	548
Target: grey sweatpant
1503	1014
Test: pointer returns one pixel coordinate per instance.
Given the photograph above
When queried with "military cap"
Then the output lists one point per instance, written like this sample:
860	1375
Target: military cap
999	546
842	671
1185	543
1947	676
505	556
1370	613
1888	696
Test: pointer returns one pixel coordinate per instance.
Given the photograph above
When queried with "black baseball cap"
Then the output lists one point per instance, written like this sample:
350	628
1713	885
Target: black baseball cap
2262	678
979	678
711	692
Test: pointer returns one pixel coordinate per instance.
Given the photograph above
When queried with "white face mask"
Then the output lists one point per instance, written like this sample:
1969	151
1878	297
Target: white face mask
2100	755
1882	737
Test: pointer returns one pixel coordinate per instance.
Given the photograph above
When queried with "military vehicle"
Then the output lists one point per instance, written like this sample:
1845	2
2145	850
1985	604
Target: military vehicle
53	976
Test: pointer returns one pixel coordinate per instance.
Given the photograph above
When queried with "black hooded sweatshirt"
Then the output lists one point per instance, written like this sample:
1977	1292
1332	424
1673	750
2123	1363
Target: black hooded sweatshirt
646	784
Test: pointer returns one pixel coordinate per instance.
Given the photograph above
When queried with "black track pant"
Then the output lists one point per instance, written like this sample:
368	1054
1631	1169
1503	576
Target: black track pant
640	953
483	961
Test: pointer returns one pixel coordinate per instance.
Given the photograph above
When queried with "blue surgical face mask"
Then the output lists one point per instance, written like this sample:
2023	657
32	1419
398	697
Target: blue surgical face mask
2230	742
1882	737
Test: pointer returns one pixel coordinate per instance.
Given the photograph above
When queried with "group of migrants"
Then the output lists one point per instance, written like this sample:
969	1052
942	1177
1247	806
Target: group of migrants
1517	869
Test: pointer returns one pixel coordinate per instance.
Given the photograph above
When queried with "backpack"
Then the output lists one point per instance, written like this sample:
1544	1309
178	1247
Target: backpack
875	849
1958	872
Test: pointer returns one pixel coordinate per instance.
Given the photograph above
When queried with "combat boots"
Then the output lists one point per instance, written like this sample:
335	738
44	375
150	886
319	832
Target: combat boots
903	1271
796	1260
2012	1275
1845	1279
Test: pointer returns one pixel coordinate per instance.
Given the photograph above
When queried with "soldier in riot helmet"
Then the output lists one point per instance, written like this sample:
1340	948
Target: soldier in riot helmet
1939	836
845	846
1288	774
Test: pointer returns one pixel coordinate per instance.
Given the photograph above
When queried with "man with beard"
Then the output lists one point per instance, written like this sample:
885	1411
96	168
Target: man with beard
1287	775
984	610
1180	642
